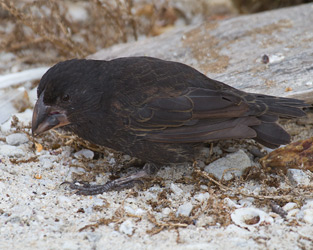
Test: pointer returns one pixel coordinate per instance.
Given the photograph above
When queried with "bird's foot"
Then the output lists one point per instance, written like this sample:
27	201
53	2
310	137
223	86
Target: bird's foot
128	181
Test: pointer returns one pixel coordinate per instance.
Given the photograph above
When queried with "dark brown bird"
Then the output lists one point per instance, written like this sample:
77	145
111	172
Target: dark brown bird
158	111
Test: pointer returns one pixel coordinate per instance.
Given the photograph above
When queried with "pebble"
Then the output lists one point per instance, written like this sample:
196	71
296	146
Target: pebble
132	211
184	209
202	197
246	201
308	216
11	151
166	211
309	204
76	12
127	227
306	212
84	153
230	203
16	139
293	212
289	206
298	177
231	165
176	190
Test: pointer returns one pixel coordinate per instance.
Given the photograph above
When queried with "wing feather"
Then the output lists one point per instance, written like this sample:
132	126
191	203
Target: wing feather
196	115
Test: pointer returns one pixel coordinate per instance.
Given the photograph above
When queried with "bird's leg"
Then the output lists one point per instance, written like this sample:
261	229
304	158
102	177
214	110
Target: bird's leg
128	181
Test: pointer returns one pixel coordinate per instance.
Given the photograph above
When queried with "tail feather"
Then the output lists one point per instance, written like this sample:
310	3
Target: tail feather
286	111
281	106
269	133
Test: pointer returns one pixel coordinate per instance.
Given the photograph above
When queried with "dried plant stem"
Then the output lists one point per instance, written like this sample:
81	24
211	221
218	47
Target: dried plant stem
41	29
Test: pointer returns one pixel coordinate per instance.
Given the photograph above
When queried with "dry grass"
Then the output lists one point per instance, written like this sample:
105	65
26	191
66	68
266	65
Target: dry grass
48	31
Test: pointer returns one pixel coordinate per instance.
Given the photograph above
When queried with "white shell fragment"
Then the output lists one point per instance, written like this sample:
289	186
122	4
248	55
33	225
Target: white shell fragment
276	58
250	217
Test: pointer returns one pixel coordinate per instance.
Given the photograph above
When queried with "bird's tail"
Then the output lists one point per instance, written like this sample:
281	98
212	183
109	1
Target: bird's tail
269	133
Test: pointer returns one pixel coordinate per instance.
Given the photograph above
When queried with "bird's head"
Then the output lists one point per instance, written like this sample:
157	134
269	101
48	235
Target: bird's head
66	92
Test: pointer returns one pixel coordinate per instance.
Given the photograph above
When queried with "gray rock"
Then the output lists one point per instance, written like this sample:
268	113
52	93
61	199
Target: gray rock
16	139
298	177
229	166
176	190
201	197
184	209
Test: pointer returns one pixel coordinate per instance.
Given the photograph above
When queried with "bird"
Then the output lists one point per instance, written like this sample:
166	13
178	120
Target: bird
158	111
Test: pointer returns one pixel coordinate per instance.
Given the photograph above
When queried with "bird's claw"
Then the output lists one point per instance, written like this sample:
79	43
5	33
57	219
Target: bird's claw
115	185
125	182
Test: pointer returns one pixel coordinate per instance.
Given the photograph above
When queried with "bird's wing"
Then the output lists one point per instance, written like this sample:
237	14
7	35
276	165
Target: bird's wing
195	116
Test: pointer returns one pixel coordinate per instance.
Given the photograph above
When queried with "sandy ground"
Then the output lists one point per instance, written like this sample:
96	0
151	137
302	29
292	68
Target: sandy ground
181	209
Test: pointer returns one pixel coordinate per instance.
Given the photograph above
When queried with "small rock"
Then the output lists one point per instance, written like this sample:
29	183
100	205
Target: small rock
86	153
127	227
217	150
229	166
230	203
309	204
306	212
11	151
166	211
76	12
184	209
293	213
132	211
248	201
16	139
298	177
202	197
289	206
176	190
308	216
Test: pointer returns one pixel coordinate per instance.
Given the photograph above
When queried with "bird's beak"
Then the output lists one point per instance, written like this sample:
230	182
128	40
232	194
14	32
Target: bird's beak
47	117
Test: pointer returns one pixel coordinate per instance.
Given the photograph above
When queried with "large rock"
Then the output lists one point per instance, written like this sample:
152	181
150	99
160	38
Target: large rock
231	50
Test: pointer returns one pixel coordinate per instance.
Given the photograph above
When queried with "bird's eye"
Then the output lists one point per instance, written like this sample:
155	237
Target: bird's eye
65	98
